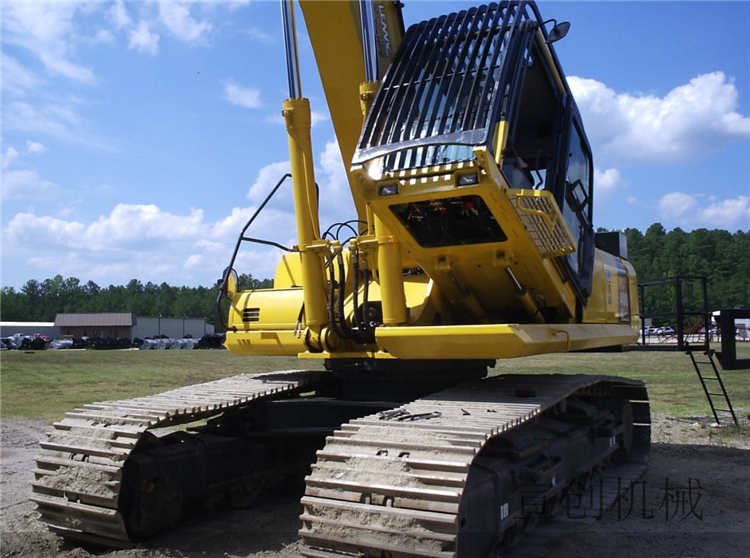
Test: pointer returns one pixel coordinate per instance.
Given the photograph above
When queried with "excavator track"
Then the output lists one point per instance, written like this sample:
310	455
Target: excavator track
396	484
79	472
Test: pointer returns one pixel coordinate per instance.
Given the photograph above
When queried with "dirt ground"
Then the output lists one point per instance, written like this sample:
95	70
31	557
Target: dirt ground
693	502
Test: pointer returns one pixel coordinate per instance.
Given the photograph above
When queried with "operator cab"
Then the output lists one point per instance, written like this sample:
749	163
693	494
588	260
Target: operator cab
547	148
481	78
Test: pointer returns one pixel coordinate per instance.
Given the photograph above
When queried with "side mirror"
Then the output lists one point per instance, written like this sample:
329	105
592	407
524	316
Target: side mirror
230	281
558	32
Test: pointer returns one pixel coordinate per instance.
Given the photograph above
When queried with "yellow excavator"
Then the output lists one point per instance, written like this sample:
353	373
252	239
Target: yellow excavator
473	241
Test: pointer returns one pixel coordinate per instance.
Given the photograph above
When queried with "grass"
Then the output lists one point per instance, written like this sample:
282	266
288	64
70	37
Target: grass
673	385
46	384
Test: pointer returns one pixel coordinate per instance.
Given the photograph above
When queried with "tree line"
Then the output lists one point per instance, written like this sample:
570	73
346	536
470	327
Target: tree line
720	256
723	257
40	301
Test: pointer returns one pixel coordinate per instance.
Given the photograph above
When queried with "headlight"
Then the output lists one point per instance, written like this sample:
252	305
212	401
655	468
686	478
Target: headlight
389	190
468	179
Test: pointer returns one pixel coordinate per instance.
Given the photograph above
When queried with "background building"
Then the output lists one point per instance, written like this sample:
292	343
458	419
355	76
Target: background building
128	325
176	328
109	324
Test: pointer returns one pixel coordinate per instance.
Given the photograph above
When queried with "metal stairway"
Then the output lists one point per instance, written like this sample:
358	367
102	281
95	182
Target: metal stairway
711	375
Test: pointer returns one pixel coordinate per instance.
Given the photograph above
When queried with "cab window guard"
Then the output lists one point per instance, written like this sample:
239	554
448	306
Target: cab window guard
446	85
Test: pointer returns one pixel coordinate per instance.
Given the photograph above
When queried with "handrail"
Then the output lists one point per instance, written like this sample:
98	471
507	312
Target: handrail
230	268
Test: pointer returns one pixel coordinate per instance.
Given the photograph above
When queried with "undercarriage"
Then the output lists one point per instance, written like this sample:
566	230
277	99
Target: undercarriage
461	472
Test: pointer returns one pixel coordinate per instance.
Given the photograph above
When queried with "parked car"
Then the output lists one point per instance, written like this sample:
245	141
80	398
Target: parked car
8	343
665	331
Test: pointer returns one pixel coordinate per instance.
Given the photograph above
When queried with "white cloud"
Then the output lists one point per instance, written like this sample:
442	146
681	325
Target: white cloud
143	40
44	229
58	120
194	261
236	4
689	122
118	14
139	240
65	264
727	213
126	227
247	97
128	224
47	30
232	224
336	203
47	119
10	155
27	185
675	205
606	182
35	147
145	242
259	35
67	68
103	36
267	178
335	195
317	117
16	78
145	266
68	206
693	211
107	267
177	18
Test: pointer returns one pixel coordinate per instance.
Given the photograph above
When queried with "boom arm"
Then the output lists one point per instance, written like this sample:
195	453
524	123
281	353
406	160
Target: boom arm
335	33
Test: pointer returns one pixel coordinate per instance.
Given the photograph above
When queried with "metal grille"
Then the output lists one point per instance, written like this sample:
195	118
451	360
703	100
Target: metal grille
251	315
439	95
543	222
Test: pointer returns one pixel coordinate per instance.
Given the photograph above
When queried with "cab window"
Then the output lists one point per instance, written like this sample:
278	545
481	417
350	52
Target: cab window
577	199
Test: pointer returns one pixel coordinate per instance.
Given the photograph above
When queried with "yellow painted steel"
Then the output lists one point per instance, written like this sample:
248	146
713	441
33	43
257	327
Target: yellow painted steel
288	272
473	276
334	31
298	121
543	221
391	276
367	91
266	309
389	262
498	340
500	138
267	342
458	302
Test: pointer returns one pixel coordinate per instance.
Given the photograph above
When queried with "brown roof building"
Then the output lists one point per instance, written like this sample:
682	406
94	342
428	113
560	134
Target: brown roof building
106	324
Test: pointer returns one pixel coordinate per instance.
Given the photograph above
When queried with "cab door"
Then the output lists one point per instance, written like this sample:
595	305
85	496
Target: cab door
574	194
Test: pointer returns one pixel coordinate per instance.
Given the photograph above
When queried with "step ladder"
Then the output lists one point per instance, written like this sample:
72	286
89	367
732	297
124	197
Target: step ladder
712	384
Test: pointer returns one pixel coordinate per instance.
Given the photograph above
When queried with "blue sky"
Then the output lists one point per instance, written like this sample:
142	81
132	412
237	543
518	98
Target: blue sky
138	137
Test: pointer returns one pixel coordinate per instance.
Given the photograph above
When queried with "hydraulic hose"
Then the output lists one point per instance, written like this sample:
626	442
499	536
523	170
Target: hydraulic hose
355	288
345	327
367	327
331	298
